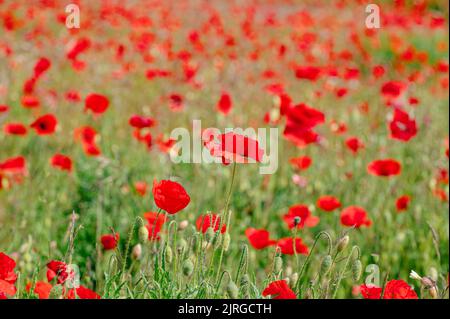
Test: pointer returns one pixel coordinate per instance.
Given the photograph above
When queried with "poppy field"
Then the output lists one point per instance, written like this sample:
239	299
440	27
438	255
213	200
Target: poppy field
348	198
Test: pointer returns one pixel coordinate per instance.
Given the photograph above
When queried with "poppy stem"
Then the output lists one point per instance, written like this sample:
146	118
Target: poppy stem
227	204
305	264
341	275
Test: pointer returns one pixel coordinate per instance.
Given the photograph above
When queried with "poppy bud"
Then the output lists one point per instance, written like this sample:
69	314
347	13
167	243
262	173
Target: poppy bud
356	270
168	254
277	264
287	280
209	235
188	268
226	241
56	292
137	251
232	290
143	234
245	280
325	267
342	243
430	285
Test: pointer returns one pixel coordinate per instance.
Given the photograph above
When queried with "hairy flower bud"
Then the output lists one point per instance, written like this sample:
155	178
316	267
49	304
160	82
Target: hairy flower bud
356	270
188	268
326	265
143	234
342	243
226	241
277	264
232	290
168	255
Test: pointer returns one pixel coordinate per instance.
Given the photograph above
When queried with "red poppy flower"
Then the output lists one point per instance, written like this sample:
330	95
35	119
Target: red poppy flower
311	73
41	289
259	238
301	119
236	148
155	223
395	289
42	65
30	101
170	196
141	187
302	214
355	216
97	103
210	220
110	241
370	291
15	129
279	290
402	127
354	144
87	135
301	163
140	122
4	108
398	289
58	269
393	89
62	162
385	168
287	246
13	165
402	203
328	203
82	293
45	125
176	102
225	104
80	46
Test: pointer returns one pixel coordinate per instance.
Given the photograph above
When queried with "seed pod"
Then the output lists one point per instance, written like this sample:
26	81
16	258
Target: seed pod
232	290
226	241
217	240
168	254
356	270
325	267
277	264
209	235
143	234
137	251
188	268
342	243
56	292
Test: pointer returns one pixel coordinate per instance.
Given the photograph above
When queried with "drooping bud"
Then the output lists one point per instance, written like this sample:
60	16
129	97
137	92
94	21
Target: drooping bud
226	241
277	264
356	270
232	290
326	265
168	255
342	243
188	268
143	234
